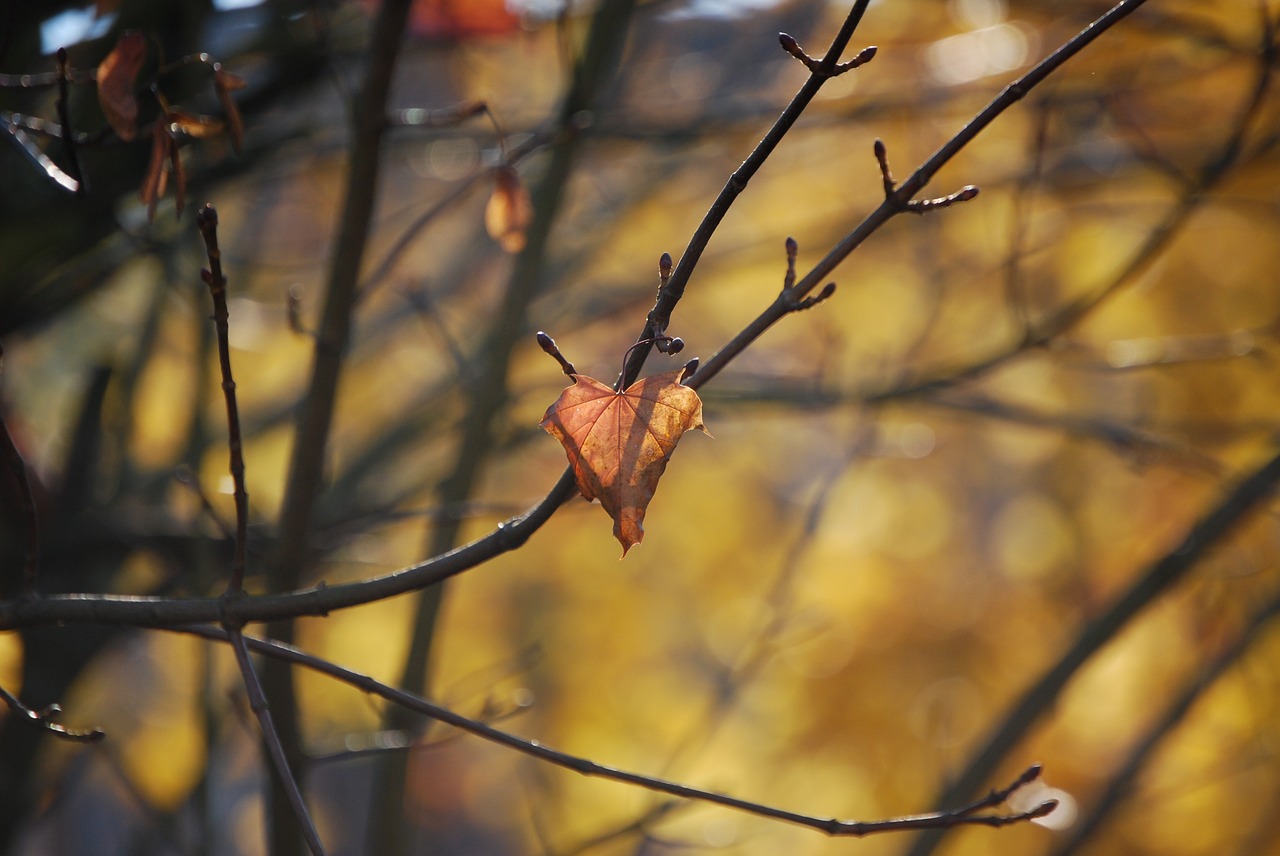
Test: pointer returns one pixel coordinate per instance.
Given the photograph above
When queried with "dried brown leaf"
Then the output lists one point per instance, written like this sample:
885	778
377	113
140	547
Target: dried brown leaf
225	83
510	210
618	443
116	76
194	125
153	181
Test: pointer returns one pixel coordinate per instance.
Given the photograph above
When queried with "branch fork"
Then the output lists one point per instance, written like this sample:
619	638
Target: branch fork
819	66
790	297
915	206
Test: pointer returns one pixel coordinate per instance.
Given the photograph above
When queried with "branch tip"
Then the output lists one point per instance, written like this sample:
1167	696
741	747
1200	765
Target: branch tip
814	299
920	206
793	248
690	369
548	346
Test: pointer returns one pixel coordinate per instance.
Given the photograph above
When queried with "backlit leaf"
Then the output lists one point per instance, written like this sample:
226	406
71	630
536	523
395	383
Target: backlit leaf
619	443
116	76
509	211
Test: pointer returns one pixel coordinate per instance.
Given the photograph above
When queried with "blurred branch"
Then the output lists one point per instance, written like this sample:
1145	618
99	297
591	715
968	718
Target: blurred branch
207	223
275	750
316	413
1122	779
311	440
970	814
1212	530
47	719
487	390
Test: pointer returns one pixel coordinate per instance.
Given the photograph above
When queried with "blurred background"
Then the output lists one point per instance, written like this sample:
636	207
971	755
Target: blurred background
920	496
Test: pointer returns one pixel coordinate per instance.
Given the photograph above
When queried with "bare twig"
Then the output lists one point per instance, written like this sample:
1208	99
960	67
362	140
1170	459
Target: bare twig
915	206
270	737
47	719
207	223
64	116
898	195
971	814
548	345
659	317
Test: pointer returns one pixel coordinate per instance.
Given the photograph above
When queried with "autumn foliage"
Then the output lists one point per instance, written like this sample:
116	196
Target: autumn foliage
620	441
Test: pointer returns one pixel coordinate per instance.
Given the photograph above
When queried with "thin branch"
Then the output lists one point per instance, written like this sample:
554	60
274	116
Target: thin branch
659	317
207	223
285	777
64	116
47	720
971	814
898	195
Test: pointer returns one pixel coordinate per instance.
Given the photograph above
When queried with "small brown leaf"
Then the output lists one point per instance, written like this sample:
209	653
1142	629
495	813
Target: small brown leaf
193	125
619	443
116	76
179	178
510	211
153	182
225	83
165	159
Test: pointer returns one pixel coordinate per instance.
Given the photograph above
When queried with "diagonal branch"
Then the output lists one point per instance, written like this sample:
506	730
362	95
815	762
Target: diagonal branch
673	288
975	813
271	737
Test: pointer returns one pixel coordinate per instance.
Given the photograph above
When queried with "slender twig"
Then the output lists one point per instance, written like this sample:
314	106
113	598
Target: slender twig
64	116
47	720
285	777
548	345
967	815
659	317
897	196
207	223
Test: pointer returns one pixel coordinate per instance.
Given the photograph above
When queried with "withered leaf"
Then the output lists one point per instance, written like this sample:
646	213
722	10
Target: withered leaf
116	76
510	211
619	443
192	124
225	83
165	159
